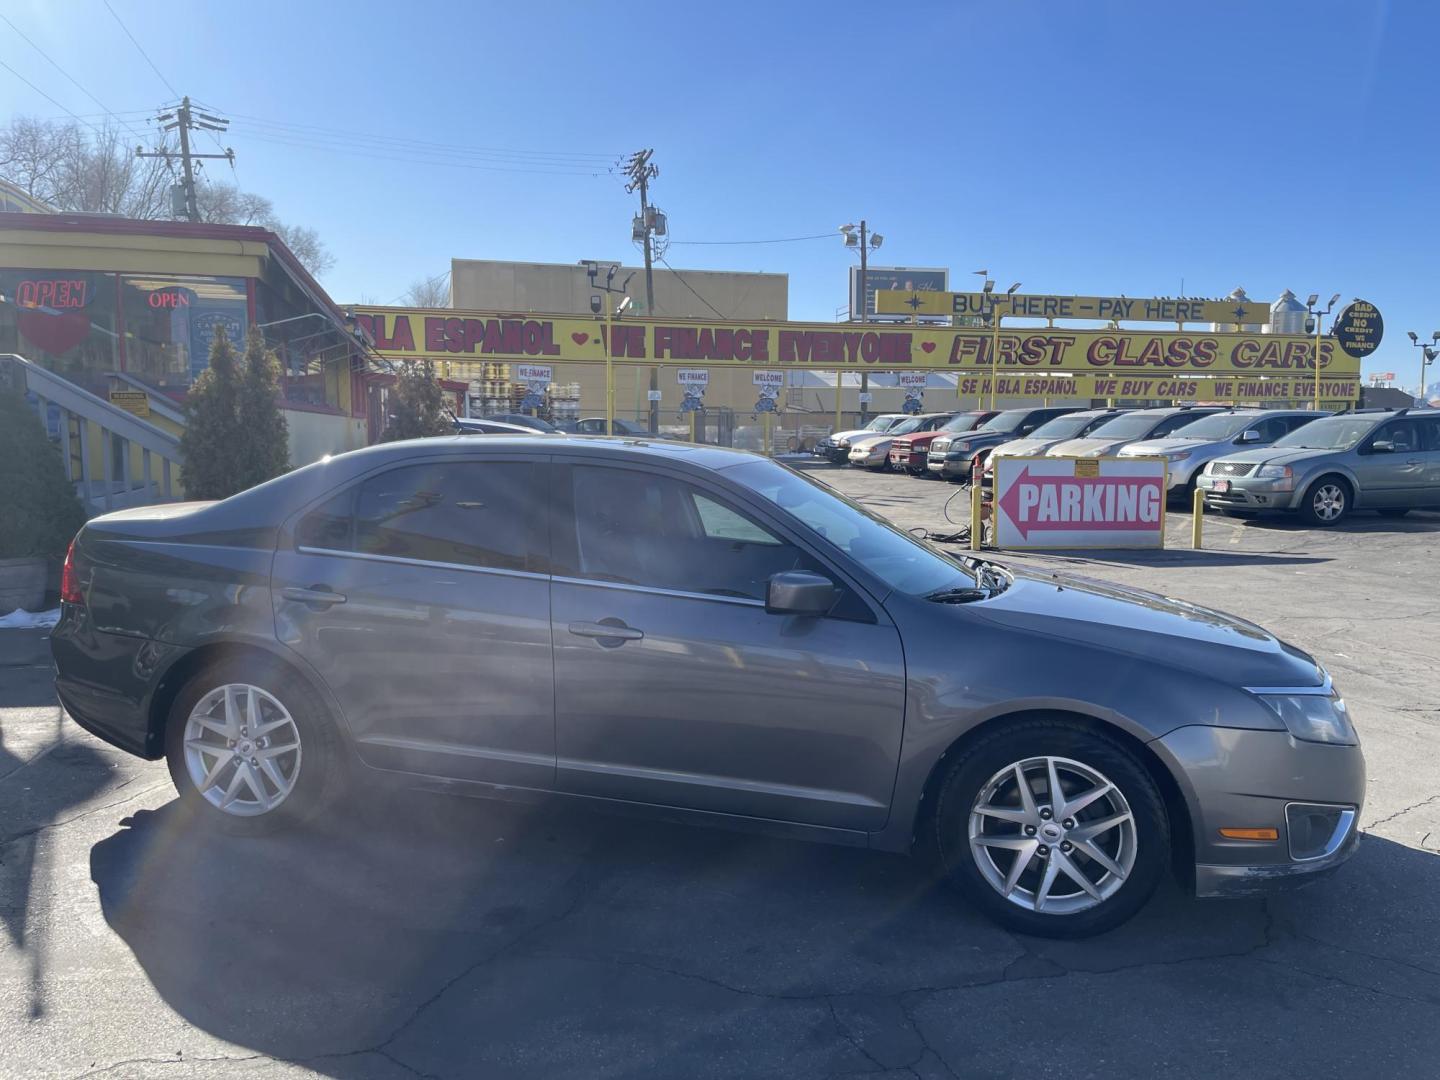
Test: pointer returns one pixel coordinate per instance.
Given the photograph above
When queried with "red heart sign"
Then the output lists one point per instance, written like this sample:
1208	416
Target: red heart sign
928	346
55	334
579	339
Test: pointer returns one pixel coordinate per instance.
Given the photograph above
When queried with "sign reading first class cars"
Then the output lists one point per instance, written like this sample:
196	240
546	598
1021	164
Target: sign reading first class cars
459	335
1094	308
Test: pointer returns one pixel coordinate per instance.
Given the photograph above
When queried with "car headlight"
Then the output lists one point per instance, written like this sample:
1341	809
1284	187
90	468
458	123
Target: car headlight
1314	717
1174	455
961	447
1272	472
843	444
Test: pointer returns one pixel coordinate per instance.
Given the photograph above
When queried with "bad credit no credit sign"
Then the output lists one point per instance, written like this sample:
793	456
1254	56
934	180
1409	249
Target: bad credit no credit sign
1072	503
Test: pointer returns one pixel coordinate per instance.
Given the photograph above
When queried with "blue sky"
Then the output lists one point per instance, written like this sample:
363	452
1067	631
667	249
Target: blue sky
1089	148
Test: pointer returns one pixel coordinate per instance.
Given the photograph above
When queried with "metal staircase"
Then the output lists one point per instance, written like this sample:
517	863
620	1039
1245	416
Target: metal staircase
114	459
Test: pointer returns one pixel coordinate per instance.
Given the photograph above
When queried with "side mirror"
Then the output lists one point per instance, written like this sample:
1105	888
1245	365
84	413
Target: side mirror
1249	435
799	592
1382	446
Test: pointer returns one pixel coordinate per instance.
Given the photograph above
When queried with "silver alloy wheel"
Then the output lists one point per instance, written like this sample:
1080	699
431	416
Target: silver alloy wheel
1052	835
1329	502
242	750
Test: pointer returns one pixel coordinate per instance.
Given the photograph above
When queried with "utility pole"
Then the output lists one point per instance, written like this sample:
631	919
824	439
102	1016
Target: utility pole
867	240
641	171
183	120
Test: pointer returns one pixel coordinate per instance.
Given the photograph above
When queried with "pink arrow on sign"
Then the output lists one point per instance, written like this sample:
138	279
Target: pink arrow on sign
1082	503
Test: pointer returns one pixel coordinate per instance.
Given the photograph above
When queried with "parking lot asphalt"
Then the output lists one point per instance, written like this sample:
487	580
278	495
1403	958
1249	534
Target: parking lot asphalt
414	935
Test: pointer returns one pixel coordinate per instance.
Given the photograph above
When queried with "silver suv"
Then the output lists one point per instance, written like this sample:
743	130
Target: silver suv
1371	459
1189	449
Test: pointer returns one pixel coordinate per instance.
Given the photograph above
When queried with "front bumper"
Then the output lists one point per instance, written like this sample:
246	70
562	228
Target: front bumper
950	464
868	459
836	455
915	461
1265	779
1250	493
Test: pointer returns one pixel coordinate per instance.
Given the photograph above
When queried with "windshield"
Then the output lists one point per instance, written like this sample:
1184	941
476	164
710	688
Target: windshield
1063	427
1006	421
897	558
1333	433
1128	426
907	426
882	423
963	422
1219	426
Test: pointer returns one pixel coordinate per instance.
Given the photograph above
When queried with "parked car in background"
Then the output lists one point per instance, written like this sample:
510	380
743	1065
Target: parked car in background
952	456
1370	459
595	425
1107	439
475	425
1069	426
911	452
534	423
835	448
872	451
1188	449
701	635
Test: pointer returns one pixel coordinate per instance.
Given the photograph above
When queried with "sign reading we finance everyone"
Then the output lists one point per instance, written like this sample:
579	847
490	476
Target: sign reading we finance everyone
1045	502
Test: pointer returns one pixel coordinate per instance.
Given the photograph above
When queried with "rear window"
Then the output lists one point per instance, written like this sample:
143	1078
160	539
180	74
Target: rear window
1007	421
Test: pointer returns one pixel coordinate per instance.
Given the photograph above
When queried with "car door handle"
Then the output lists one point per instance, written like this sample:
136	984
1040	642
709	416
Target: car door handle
318	595
609	632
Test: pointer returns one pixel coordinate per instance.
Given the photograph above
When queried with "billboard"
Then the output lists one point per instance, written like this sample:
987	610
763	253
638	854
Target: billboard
1092	308
909	279
1043	502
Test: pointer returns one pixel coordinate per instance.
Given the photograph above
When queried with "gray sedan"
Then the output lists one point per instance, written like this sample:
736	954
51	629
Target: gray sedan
1372	459
710	636
1187	450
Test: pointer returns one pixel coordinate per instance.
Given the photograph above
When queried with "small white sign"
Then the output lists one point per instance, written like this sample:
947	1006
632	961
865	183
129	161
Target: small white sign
652	395
866	397
770	378
693	376
912	379
534	373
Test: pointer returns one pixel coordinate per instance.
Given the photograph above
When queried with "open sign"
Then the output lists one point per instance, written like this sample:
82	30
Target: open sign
169	299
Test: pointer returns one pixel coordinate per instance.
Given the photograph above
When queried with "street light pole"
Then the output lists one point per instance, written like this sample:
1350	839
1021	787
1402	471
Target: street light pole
1428	353
867	240
1315	318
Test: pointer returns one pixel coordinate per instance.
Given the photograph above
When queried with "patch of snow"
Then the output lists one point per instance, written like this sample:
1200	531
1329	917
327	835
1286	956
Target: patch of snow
20	619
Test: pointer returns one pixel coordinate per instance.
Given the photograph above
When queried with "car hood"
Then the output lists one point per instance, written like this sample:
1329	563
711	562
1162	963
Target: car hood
870	438
853	433
1168	446
1150	627
917	437
1279	455
1086	447
1025	447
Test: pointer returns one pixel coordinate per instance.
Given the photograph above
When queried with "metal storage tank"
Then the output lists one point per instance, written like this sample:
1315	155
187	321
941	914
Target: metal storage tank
1287	315
1238	295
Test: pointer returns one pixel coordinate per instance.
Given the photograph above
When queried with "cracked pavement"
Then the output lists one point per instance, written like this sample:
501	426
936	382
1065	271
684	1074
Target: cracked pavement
411	935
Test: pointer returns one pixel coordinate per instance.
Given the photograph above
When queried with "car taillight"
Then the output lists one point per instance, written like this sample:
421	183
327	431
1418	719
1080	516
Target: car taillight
69	580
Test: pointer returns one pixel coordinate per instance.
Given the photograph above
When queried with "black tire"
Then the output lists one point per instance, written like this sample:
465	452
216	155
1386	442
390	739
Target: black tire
1394	511
983	759
320	775
1319	508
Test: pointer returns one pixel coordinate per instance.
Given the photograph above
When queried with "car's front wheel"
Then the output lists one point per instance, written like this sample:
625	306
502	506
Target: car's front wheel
1052	828
1327	502
251	747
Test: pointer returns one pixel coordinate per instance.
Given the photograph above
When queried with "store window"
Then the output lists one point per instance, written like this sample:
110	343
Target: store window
171	322
303	337
63	320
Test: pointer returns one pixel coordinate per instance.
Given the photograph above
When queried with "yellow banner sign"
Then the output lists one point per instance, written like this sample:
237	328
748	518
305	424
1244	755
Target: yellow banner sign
1248	390
1098	308
136	402
485	336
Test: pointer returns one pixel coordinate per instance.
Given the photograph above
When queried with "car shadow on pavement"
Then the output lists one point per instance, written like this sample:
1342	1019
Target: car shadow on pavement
450	937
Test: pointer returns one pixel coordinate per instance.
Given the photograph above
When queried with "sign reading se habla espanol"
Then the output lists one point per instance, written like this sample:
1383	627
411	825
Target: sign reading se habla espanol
1099	308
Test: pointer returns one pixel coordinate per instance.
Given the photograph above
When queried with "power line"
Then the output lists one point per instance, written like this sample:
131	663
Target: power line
780	240
51	60
681	278
427	281
140	48
48	98
323	132
414	160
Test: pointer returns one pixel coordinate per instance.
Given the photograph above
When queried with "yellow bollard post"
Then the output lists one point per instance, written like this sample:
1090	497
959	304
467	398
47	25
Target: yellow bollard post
691	414
1197	519
839	378
977	523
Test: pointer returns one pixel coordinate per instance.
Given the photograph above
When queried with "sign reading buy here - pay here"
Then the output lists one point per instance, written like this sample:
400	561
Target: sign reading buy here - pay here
1079	502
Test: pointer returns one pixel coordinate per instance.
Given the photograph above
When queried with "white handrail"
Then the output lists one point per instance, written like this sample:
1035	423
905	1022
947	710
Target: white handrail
68	396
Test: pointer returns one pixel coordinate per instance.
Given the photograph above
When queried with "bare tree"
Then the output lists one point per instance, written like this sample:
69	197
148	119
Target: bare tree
72	169
429	292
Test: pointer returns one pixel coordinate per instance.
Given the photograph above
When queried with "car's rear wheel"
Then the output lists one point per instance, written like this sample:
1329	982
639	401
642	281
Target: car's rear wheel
1052	829
251	747
1326	502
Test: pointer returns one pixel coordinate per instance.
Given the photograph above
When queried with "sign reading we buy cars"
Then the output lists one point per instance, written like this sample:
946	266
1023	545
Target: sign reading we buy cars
1043	502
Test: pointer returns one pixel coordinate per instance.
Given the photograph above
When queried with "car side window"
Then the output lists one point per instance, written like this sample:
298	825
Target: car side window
1272	428
1293	422
1170	423
1429	433
1402	434
642	528
473	513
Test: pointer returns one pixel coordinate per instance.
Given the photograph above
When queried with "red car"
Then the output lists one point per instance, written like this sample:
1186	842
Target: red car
909	452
